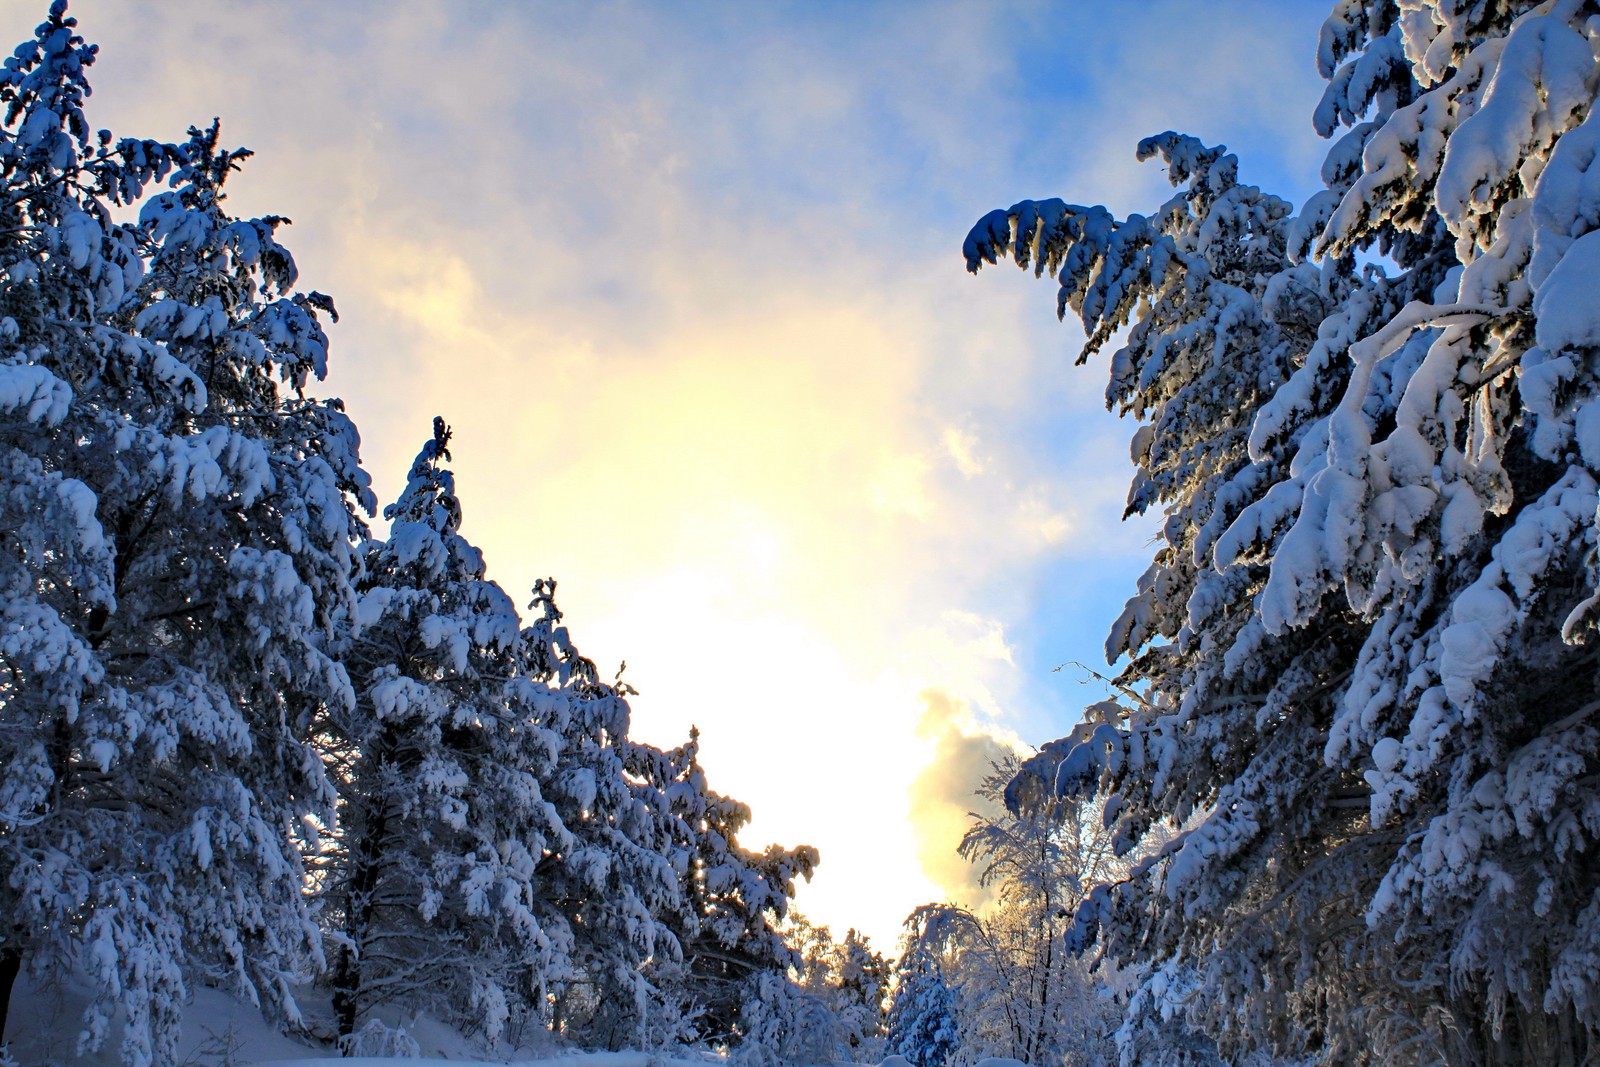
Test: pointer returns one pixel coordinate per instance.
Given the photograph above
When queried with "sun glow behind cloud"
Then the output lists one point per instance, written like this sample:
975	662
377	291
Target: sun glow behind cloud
752	512
688	288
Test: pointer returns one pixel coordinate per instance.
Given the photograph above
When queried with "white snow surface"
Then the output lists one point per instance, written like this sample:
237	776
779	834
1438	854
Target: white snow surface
571	1059
221	1029
218	1029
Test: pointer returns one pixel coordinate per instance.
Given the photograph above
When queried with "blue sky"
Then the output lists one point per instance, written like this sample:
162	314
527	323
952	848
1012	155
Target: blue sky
686	279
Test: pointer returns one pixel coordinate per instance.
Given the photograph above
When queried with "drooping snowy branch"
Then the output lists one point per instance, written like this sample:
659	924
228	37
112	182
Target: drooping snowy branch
1365	643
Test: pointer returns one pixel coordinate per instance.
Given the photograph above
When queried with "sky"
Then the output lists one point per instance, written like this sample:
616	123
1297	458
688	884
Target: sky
685	279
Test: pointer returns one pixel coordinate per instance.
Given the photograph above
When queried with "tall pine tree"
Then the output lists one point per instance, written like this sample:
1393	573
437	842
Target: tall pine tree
443	822
733	899
1368	691
178	546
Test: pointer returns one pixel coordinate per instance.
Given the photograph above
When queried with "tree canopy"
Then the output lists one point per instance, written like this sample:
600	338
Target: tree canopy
1364	649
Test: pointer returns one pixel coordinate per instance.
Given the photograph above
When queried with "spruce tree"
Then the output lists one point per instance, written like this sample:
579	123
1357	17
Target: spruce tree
179	545
1365	702
443	822
733	899
922	1014
610	887
863	993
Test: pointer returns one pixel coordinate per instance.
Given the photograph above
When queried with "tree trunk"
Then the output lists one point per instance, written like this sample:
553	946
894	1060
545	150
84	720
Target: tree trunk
358	925
1046	987
362	889
368	812
10	967
1550	1040
346	987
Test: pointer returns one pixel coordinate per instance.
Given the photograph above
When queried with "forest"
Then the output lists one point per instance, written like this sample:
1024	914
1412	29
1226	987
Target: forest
285	776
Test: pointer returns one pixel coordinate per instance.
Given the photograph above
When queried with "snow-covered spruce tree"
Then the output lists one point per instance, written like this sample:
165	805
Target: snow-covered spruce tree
1223	315
862	1005
610	893
734	899
806	1000
178	541
1408	825
838	995
439	768
781	1024
922	1021
1472	708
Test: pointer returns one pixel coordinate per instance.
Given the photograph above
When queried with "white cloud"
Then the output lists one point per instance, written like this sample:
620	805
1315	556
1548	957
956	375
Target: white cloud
943	799
962	447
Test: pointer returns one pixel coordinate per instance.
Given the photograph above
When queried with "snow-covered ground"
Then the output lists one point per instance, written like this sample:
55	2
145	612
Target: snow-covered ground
573	1059
222	1031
